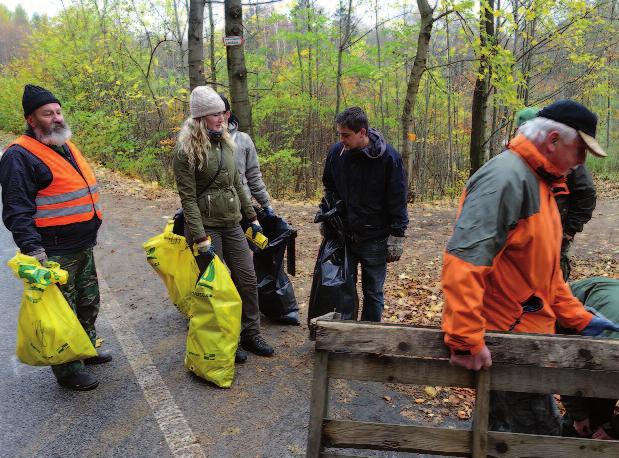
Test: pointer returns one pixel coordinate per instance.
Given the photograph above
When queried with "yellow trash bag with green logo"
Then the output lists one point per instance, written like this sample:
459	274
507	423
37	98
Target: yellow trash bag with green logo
48	331
215	325
171	257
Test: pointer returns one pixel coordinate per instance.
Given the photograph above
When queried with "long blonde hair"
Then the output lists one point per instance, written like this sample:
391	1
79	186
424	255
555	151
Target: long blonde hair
194	143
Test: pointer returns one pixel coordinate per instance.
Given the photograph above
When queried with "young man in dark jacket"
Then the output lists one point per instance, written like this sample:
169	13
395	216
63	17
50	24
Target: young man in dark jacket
50	204
366	174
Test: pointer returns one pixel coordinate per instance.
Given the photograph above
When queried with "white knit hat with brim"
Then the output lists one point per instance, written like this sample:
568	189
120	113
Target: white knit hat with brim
205	101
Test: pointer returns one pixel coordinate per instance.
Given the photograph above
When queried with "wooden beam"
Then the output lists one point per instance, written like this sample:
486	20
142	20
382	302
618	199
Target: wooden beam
520	349
337	455
512	445
456	442
529	379
319	404
326	317
482	410
400	438
390	369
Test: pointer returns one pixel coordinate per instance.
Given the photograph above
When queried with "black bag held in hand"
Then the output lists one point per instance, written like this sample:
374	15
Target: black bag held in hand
334	288
276	297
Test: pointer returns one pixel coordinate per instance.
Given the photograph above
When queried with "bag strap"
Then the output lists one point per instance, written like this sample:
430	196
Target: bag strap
221	161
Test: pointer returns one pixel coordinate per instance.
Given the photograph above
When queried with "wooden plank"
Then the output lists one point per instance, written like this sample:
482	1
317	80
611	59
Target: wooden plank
415	371
482	410
455	442
319	403
522	349
400	438
325	317
390	369
512	445
337	455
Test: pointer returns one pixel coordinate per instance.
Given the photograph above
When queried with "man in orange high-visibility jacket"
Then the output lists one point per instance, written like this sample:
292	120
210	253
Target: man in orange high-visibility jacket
501	266
50	203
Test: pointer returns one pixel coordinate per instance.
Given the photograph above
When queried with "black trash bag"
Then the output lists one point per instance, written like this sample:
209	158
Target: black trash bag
334	288
276	297
179	222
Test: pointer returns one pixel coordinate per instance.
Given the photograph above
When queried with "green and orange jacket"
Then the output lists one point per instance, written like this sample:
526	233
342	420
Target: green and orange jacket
504	253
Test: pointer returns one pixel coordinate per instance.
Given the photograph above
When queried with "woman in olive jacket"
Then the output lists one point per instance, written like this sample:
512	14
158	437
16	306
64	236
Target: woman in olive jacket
214	202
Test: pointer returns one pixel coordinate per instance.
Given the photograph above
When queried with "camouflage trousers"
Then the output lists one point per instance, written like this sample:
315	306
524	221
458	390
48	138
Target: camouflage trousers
82	293
566	266
526	413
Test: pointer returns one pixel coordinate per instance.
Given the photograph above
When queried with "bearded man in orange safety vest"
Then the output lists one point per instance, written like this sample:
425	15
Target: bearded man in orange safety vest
50	204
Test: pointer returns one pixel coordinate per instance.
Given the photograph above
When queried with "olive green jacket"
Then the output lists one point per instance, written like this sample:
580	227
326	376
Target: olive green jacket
223	204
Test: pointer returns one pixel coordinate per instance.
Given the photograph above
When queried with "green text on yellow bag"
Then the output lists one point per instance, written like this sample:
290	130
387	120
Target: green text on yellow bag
171	257
215	326
48	331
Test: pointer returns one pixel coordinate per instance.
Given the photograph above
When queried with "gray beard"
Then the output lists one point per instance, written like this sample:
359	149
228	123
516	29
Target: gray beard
55	136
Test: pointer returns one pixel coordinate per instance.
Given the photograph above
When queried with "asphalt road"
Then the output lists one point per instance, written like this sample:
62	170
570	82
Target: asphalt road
147	404
39	418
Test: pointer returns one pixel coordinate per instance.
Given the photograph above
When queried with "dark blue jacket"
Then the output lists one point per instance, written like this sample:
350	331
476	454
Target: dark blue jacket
372	184
22	175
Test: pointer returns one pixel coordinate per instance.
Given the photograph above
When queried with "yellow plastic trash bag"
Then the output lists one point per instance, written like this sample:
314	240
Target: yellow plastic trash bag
48	331
215	326
171	257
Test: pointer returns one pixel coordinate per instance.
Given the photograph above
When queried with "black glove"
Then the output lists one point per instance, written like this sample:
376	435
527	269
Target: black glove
395	248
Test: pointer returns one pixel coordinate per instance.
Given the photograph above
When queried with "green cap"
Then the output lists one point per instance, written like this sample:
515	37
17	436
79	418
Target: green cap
526	114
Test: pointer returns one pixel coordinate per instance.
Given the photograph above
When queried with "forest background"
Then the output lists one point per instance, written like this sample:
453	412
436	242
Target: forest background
120	67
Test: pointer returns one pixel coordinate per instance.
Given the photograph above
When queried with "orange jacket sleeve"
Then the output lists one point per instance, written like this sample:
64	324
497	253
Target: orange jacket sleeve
463	288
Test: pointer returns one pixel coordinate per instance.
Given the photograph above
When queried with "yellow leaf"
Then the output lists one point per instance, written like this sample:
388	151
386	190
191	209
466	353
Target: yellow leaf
412	137
431	391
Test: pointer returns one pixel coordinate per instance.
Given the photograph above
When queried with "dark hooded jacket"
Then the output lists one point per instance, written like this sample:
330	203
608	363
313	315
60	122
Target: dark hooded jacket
577	205
372	185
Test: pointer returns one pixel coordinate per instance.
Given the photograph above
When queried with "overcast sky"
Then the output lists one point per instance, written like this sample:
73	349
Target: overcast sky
51	7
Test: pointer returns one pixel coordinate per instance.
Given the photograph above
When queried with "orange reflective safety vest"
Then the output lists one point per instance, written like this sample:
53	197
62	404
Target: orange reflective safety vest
72	196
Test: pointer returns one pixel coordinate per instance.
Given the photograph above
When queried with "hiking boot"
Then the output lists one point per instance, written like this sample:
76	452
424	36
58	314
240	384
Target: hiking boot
241	355
79	381
101	358
257	345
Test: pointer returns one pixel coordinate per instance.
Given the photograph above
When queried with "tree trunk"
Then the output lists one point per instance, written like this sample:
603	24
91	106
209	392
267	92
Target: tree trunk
381	89
480	91
195	45
237	72
419	66
179	34
344	40
211	30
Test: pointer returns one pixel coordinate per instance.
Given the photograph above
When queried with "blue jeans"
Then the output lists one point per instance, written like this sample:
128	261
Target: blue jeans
372	255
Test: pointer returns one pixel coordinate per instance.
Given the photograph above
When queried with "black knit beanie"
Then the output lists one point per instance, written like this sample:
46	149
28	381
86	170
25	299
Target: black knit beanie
35	97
